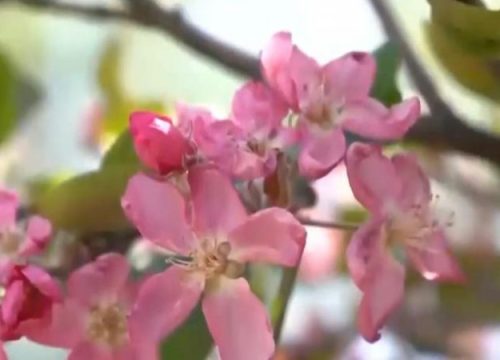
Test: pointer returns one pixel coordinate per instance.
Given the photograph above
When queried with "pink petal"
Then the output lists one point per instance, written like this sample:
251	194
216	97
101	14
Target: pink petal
12	302
371	119
435	261
99	280
37	236
88	350
416	189
158	143
164	302
3	354
247	165
372	176
42	281
307	78
217	206
158	210
365	245
256	108
275	65
321	153
9	203
137	351
383	291
350	76
271	235
238	322
188	116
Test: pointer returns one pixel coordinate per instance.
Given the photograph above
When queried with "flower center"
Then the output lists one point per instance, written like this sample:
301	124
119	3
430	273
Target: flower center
10	241
211	259
108	325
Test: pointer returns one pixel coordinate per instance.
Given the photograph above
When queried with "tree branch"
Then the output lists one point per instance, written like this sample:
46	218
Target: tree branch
443	129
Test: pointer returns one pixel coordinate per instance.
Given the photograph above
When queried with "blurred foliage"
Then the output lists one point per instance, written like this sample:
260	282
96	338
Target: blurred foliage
91	202
385	87
466	40
7	98
190	341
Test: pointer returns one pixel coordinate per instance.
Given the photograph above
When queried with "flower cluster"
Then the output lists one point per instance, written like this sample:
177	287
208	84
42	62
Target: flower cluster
186	202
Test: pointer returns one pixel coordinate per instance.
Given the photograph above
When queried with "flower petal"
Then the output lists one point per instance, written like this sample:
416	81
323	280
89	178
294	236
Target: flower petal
42	280
371	119
217	206
158	210
165	301
37	236
9	203
275	65
257	109
87	350
435	261
321	153
238	322
417	188
102	279
372	176
350	76
158	143
383	290
271	235
364	246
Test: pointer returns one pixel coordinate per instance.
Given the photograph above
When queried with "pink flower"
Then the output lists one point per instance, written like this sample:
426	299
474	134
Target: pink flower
16	243
244	146
214	241
329	99
158	143
397	193
26	307
93	320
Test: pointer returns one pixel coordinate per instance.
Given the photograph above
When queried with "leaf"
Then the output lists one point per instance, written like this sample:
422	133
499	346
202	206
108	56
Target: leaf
475	28
8	86
470	70
190	341
122	152
385	88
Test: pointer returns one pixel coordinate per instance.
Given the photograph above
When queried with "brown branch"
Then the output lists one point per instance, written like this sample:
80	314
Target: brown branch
327	224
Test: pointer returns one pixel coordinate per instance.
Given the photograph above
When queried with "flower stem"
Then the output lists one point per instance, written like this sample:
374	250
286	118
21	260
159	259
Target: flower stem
327	224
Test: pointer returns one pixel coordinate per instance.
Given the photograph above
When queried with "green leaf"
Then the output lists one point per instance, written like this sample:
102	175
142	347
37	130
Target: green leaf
385	88
190	341
475	28
88	202
7	98
122	152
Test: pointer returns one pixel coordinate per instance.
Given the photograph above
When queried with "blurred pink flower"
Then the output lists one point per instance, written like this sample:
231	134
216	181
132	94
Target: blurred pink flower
93	319
397	193
159	144
214	239
329	99
17	243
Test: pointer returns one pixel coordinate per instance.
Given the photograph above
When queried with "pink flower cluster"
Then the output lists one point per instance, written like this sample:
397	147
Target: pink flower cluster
186	203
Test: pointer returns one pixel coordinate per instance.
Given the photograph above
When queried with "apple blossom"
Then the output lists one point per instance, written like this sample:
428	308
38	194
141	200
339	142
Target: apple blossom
398	195
214	239
329	99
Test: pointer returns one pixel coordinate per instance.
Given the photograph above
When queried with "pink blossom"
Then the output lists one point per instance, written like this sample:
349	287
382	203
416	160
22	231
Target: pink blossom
397	193
17	243
29	296
331	98
93	319
158	143
246	145
214	239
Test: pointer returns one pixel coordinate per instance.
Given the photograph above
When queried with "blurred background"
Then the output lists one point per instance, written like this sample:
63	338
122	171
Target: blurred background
68	82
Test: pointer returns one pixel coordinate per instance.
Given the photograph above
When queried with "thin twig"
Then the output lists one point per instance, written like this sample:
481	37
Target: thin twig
327	224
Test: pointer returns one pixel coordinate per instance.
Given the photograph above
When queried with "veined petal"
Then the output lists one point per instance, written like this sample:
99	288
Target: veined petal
350	76
217	206
272	235
383	291
435	261
370	118
158	211
238	322
164	302
373	178
275	60
101	279
321	153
